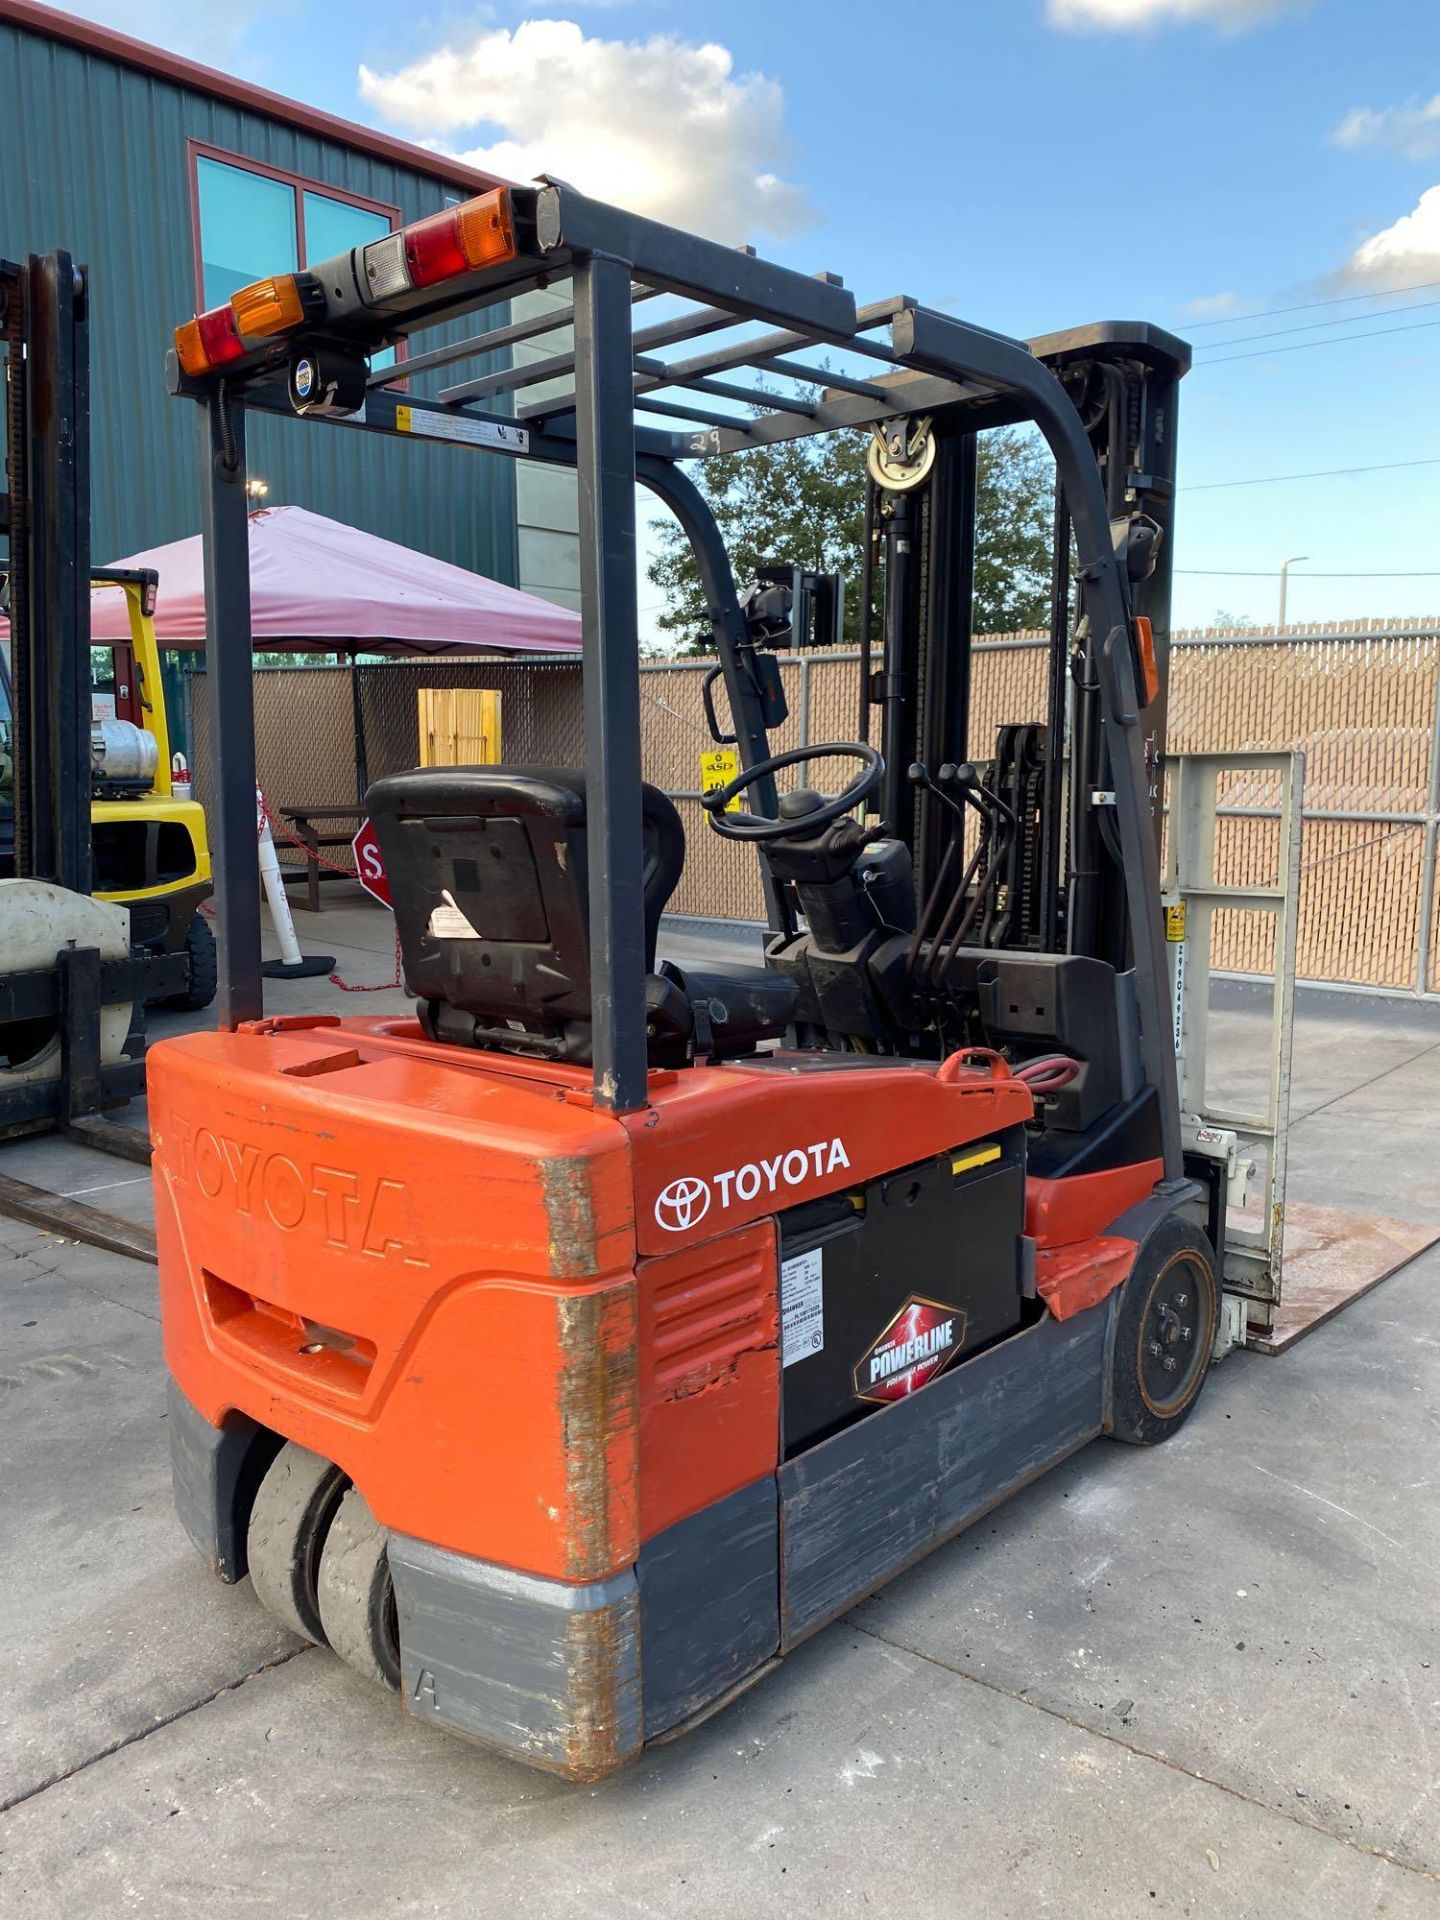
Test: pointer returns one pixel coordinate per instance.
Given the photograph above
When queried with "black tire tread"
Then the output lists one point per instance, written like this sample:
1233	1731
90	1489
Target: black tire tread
357	1598
1133	1421
204	968
294	1506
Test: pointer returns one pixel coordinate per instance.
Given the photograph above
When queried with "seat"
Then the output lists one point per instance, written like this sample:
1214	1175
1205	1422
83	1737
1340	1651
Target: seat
489	874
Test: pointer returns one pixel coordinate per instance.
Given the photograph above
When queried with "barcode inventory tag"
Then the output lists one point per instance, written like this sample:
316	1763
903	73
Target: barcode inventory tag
802	1307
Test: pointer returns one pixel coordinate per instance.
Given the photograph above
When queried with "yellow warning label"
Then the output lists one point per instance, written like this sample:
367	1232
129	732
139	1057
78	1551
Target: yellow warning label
1175	921
717	769
977	1157
402	419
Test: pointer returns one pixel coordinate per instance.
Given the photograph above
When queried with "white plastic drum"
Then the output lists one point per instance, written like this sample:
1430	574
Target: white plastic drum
36	921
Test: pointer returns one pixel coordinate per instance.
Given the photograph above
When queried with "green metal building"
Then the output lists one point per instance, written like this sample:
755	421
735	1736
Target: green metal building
174	185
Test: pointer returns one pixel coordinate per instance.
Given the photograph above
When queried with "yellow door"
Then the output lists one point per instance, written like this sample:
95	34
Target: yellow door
459	726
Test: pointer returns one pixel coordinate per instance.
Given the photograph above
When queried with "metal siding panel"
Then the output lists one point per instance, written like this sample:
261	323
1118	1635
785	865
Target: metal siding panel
881	1494
94	158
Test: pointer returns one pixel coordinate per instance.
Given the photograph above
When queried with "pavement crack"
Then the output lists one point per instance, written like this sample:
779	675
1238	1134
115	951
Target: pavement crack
143	1733
1384	1074
1081	1725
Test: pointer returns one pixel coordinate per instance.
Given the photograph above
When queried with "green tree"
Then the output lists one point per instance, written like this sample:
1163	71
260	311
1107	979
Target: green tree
801	503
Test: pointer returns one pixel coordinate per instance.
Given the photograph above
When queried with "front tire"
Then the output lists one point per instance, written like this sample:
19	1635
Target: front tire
204	968
1165	1334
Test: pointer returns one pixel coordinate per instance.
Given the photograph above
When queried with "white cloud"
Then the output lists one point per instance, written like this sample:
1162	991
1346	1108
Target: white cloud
660	126
1412	129
1404	254
1210	306
1130	16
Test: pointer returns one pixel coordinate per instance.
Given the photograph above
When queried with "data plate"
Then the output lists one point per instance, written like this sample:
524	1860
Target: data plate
802	1307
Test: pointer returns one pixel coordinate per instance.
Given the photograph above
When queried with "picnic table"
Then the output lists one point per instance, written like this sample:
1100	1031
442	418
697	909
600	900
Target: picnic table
317	827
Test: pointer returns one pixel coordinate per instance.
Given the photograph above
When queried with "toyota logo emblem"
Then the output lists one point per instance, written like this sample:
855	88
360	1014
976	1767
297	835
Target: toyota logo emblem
683	1204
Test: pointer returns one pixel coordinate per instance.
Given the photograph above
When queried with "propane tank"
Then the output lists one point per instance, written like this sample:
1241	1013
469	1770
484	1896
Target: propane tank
119	750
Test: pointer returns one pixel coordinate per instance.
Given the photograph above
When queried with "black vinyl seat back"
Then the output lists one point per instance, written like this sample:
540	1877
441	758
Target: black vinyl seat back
489	877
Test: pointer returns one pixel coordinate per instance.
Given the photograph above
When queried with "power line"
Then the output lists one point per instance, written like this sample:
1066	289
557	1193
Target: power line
1309	306
1300	346
1316	326
1316	473
1273	573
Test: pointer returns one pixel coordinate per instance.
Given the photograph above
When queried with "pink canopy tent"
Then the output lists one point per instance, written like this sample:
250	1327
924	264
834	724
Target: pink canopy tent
317	584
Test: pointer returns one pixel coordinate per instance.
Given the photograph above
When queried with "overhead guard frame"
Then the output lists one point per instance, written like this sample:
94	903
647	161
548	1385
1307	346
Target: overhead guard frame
930	362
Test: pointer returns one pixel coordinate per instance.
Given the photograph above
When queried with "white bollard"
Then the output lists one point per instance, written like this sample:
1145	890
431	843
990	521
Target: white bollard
292	964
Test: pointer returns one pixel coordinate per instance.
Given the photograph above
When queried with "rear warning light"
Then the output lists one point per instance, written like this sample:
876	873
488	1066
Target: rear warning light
479	233
385	273
208	341
277	305
487	229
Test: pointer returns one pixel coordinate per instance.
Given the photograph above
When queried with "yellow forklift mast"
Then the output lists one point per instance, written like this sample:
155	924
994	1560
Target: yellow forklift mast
150	847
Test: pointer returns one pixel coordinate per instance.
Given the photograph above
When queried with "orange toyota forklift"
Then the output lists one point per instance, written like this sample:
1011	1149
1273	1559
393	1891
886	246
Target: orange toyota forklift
566	1353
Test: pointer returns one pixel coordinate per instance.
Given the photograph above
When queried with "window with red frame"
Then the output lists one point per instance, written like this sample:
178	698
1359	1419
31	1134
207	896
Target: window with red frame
251	223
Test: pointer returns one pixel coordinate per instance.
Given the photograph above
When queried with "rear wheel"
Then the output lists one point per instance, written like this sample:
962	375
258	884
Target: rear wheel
1166	1333
356	1594
204	968
294	1507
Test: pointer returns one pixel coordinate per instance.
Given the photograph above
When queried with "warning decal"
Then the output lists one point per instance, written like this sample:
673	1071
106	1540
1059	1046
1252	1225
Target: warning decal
718	769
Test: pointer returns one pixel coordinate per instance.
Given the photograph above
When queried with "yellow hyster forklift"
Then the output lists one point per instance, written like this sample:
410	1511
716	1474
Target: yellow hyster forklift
149	849
566	1353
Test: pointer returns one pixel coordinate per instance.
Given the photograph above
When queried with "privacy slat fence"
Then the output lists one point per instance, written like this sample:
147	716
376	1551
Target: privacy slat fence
1360	702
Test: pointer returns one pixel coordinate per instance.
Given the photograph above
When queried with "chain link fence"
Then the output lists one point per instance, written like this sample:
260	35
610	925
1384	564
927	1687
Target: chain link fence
1360	702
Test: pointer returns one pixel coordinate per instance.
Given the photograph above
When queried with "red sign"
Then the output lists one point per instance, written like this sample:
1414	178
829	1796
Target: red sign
921	1341
370	865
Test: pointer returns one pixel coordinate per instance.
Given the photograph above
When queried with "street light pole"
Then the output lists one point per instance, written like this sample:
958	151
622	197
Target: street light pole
1285	566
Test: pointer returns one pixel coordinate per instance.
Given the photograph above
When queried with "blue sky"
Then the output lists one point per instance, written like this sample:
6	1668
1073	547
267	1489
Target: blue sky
1030	163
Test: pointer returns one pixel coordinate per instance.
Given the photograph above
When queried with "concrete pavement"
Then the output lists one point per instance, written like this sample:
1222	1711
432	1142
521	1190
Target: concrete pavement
1202	1679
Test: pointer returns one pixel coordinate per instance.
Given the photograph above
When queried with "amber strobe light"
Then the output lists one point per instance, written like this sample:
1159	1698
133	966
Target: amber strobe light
268	306
208	341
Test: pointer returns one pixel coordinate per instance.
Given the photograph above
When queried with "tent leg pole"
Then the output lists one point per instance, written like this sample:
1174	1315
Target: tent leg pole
357	705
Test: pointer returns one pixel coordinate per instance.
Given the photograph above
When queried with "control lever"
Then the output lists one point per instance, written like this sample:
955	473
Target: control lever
1001	826
946	933
967	777
919	776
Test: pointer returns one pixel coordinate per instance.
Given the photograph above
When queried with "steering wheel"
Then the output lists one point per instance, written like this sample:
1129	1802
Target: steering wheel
754	826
